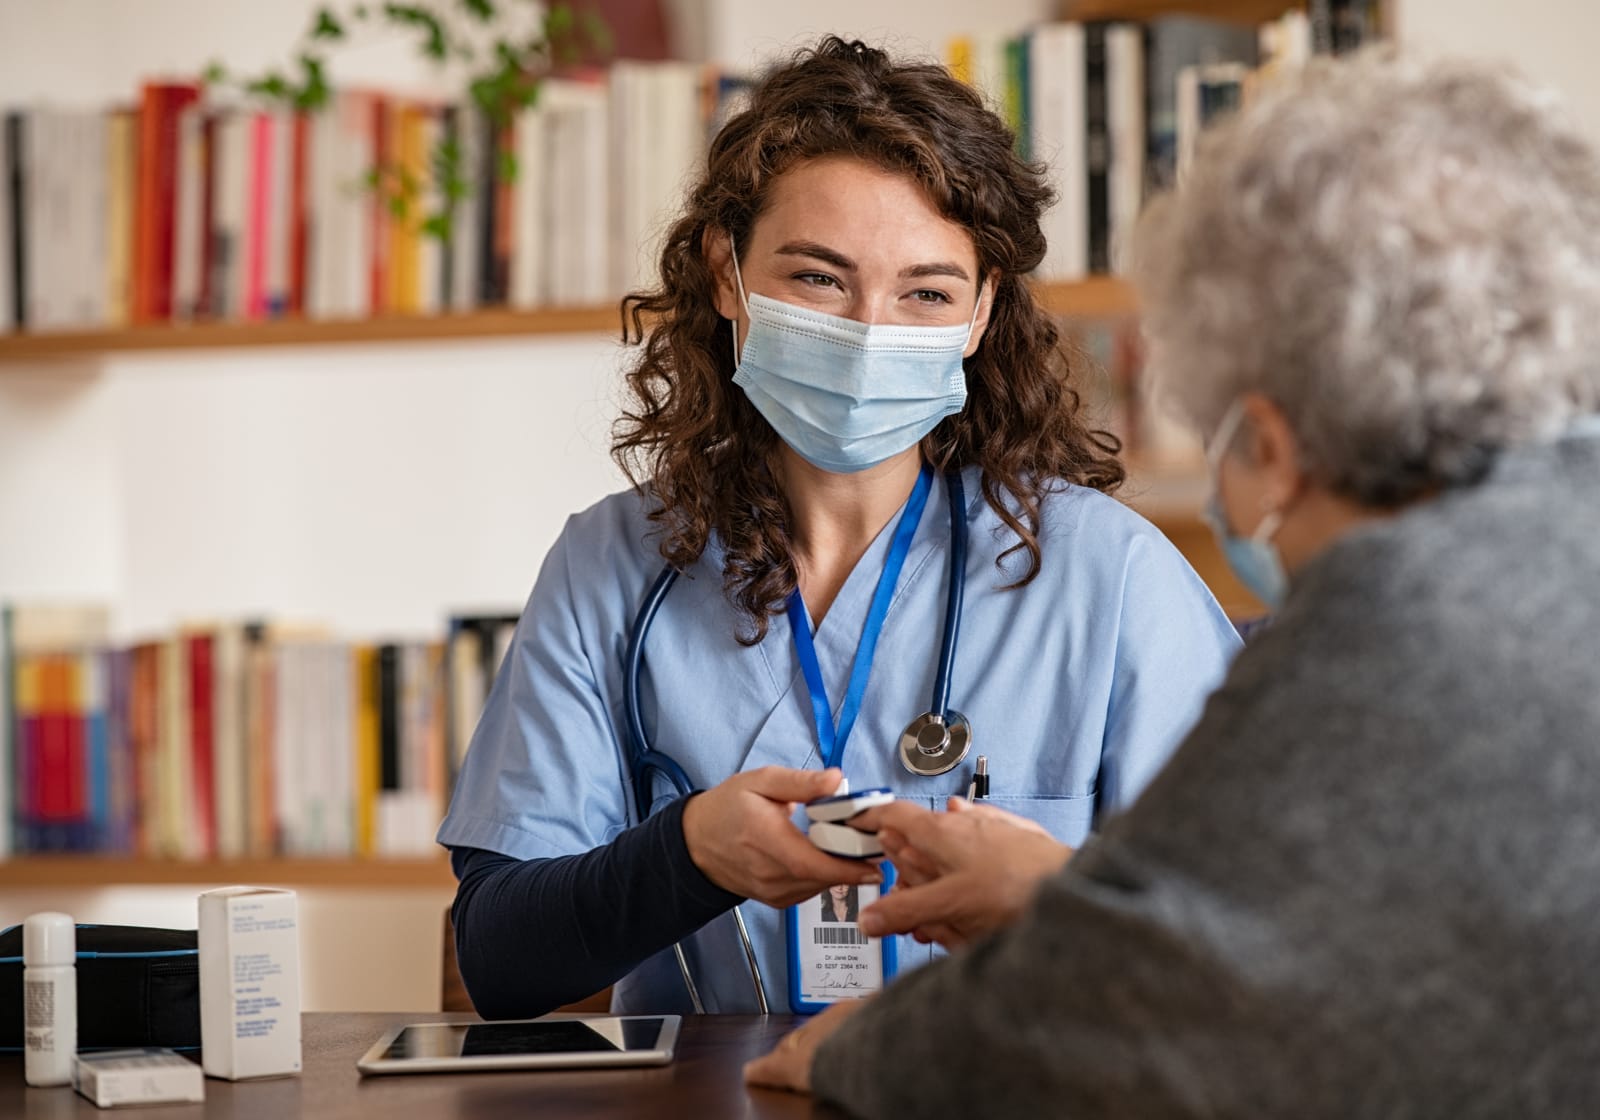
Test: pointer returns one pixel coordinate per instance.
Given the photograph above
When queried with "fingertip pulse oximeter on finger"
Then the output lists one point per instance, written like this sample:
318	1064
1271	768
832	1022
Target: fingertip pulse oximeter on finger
829	828
843	806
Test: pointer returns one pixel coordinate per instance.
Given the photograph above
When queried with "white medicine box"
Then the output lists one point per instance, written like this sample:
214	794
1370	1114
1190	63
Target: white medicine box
249	983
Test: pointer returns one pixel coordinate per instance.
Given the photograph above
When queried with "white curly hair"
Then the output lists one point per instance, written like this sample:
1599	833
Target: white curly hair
1404	255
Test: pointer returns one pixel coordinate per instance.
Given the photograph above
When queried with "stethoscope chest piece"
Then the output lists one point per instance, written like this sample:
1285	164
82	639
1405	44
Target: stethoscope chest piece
932	744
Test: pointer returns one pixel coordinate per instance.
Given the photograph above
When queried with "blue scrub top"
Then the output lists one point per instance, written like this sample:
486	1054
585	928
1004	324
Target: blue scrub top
1078	687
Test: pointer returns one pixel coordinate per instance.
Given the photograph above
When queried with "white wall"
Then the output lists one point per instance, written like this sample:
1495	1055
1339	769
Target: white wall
372	488
1551	40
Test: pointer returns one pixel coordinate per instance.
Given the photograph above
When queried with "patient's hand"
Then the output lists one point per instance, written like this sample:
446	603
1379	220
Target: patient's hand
788	1066
963	873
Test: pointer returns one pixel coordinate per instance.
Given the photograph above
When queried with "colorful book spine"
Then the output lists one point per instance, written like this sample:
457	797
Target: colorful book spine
15	171
378	211
94	708
51	726
156	207
259	216
299	212
202	743
367	773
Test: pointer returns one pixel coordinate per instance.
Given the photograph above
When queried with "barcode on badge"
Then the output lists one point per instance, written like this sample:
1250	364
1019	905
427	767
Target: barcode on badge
838	935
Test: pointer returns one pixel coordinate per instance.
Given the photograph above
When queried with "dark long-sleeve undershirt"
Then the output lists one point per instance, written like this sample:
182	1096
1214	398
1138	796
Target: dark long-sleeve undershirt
534	934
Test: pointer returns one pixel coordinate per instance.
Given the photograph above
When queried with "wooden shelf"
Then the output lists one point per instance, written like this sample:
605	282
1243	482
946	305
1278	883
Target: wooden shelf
114	871
1234	11
301	332
1100	297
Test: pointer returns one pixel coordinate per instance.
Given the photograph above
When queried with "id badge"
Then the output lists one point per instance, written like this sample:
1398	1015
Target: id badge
830	959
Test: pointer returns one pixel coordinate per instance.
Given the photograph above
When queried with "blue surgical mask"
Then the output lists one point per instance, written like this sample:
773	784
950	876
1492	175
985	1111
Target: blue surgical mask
1253	559
846	395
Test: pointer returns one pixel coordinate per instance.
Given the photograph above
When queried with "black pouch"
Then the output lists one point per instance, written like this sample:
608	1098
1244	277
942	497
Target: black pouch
137	986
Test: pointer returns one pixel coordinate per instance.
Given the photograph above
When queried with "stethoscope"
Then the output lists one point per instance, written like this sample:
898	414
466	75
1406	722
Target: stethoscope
934	743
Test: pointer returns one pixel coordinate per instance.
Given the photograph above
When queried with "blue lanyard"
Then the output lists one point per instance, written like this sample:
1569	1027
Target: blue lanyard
830	740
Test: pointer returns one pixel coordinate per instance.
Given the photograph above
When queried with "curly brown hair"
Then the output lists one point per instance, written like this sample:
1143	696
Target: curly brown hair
694	439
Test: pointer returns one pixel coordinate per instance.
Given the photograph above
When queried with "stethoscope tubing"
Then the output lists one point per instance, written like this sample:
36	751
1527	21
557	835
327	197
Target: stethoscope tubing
645	758
955	593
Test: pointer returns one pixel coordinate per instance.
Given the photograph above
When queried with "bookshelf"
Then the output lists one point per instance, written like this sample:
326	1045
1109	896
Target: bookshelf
91	871
1099	297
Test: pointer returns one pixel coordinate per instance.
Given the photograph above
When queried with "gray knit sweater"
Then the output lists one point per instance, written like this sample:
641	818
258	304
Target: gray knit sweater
1368	883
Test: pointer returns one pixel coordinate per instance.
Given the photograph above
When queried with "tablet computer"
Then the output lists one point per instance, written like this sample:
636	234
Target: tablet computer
601	1041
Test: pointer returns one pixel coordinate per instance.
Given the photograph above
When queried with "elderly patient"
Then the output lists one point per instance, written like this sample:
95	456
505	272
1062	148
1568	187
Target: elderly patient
1368	883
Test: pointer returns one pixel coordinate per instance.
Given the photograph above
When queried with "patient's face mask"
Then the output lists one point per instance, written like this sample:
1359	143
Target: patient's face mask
846	395
1253	559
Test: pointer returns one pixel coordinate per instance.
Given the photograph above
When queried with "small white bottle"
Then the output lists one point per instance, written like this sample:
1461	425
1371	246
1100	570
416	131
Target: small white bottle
49	998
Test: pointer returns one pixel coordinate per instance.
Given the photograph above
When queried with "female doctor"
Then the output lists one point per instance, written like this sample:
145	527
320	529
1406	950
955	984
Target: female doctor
869	536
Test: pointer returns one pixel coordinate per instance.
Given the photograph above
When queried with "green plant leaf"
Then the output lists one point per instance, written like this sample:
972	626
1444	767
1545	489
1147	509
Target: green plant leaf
215	74
437	225
483	92
482	9
327	25
446	155
506	165
398	207
273	85
314	93
435	43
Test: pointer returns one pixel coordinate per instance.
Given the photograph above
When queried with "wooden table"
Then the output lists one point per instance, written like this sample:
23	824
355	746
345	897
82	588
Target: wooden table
704	1080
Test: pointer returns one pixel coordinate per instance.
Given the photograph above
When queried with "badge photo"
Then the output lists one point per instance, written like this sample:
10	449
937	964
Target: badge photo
830	959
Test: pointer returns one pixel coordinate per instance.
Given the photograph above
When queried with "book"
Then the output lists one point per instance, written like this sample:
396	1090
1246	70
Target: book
1125	121
8	757
530	281
298	219
53	714
233	133
161	105
121	778
13	143
474	647
189	191
230	744
175	808
1173	44
7	303
121	163
1097	145
1058	120
278	233
465	128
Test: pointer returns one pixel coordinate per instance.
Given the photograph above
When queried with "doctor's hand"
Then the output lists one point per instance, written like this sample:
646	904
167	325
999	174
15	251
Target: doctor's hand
740	834
963	873
788	1066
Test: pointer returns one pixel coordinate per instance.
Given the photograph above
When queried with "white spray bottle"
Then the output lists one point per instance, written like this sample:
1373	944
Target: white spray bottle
49	998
